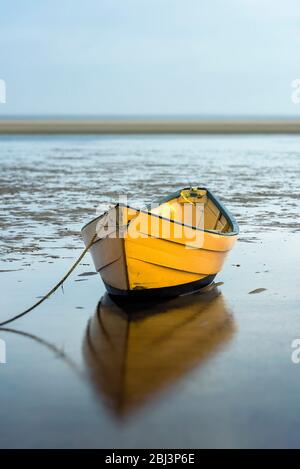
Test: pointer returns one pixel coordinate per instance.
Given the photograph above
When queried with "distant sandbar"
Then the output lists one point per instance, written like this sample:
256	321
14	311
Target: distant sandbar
149	126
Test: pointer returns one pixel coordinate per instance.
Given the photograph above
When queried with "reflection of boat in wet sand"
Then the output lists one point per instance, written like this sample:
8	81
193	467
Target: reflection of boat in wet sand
134	351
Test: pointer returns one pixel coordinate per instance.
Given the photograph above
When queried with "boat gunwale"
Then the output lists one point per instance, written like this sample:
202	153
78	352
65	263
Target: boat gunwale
228	215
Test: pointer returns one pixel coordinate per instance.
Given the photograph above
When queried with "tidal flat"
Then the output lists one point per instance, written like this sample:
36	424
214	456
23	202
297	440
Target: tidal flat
210	370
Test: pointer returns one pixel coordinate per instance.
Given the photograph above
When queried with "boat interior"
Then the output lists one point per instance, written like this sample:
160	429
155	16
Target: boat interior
195	208
192	207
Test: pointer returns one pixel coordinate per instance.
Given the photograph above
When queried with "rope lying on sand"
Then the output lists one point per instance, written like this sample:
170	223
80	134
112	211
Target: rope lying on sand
14	318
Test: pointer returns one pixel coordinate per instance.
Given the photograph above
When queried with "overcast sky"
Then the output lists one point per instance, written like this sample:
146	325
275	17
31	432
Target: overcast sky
157	57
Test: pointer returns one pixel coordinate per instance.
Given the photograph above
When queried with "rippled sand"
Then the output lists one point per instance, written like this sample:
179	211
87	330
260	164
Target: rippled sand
214	372
51	186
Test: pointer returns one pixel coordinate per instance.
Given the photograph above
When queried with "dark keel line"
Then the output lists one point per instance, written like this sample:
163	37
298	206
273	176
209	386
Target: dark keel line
60	283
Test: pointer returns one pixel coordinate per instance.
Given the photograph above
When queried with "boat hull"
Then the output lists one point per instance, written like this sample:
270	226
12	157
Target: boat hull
140	253
162	292
156	267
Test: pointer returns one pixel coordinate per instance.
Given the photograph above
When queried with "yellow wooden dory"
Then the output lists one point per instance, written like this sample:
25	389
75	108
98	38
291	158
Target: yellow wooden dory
173	247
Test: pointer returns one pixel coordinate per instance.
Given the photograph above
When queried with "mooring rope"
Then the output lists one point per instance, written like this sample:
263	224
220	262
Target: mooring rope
28	310
58	352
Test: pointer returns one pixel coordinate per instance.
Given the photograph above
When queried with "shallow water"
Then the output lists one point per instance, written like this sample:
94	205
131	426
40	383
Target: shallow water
206	371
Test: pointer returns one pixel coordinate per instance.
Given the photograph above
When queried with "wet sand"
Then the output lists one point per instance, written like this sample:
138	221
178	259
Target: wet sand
211	370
